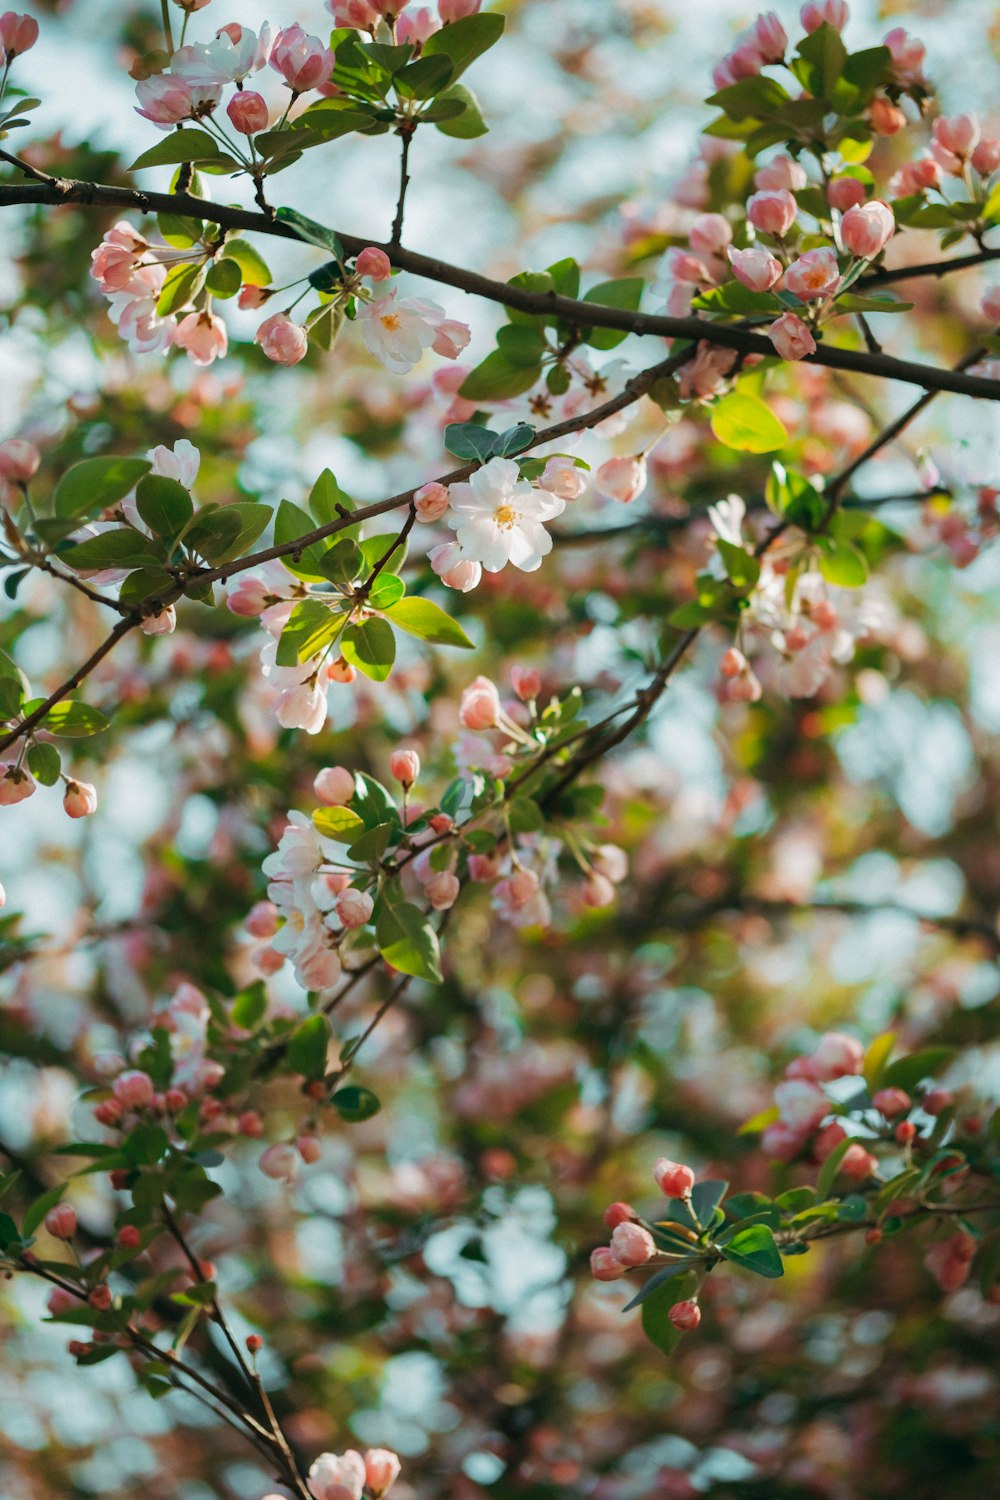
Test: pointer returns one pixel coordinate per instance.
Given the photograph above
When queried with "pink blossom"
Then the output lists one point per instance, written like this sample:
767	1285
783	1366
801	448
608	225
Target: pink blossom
892	1102
450	338
19	460
857	1164
685	1316
618	1213
18	33
354	908
362	14
986	157
262	919
526	682
442	889
480	705
16	784
605	1265
454	569
790	337
866	229
374	264
416	26
80	799
249	598
334	786
302	60
757	269
164	622
133	1090
113	263
562	477
772	211
431	502
282	340
908	56
338	1477
843	193
769	37
611	862
405	765
673	1178
457	10
815	274
253	296
990	305
203	336
632	1245
816	12
955	137
381	1470
915	177
801	1103
302	705
598	891
836	1055
710	234
165	99
248	112
783	173
622	478
280	1161
60	1302
705	375
60	1221
886	118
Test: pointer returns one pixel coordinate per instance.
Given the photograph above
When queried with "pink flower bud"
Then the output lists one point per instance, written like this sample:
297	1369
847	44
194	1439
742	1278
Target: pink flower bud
598	891
108	1112
334	786
354	908
15	785
769	37
526	682
17	33
480	705
605	1265
562	477
772	212
956	135
857	1164
442	823
892	1102
710	234
457	10
374	263
61	1302
611	862
100	1298
833	12
267	960
19	460
310	1148
757	269
836	1055
685	1316
937	1100
253	296
886	118
280	1161
451	337
249	598
845	192
673	1178
203	336
442	889
128	1237
405	766
431	502
248	112
990	305
784	172
733	663
908	55
619	1213
790	337
163	623
622	478
381	1465
282	340
482	868
866	229
986	157
632	1245
454	570
302	60
80	799
262	920
61	1221
133	1090
815	274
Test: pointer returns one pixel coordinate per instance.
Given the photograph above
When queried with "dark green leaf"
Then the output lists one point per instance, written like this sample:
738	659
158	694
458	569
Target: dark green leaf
88	487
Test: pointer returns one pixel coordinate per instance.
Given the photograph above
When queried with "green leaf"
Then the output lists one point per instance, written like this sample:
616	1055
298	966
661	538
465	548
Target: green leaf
705	1199
311	627
355	1104
407	941
876	1057
626	294
522	344
145	1145
656	1304
386	591
470	440
224	532
327	501
308	230
291	522
341	563
250	1006
425	77
742	568
907	1072
70	719
88	487
120	547
371	647
828	1171
44	762
179	230
371	846
36	1213
144	583
253	267
465	125
854	304
747	424
464	40
525	815
307	1047
338	823
164	504
755	1249
184	145
428	622
224	278
11	693
844	565
825	57
181	285
496	379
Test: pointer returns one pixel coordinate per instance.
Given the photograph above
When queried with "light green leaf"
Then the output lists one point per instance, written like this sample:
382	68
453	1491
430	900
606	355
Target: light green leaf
747	424
427	621
371	647
407	941
88	487
164	504
754	1248
184	145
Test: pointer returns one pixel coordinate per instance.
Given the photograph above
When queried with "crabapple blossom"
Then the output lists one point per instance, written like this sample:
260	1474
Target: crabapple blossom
710	234
363	14
769	37
618	1213
19	460
374	264
814	274
203	336
382	1469
790	337
497	518
248	112
334	786
622	478
457	10
986	157
866	229
891	1102
15	785
831	12
526	682
133	1090
60	1221
80	799
338	1476
302	60
563	478
282	340
772	211
405	766
431	502
632	1244
844	193
396	330
990	304
354	908
442	889
781	173
757	269
605	1265
480	705
886	118
164	622
455	569
280	1161
685	1316
673	1178
18	33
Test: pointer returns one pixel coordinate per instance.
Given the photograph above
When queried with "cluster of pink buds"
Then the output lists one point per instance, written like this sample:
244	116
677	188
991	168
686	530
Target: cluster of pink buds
411	26
950	1261
632	1243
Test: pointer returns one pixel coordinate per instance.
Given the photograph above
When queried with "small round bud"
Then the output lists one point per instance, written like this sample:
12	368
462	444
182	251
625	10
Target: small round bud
60	1221
405	766
254	1343
334	786
685	1316
129	1237
673	1178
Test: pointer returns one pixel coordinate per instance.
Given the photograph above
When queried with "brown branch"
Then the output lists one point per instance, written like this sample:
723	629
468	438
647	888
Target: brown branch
550	304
